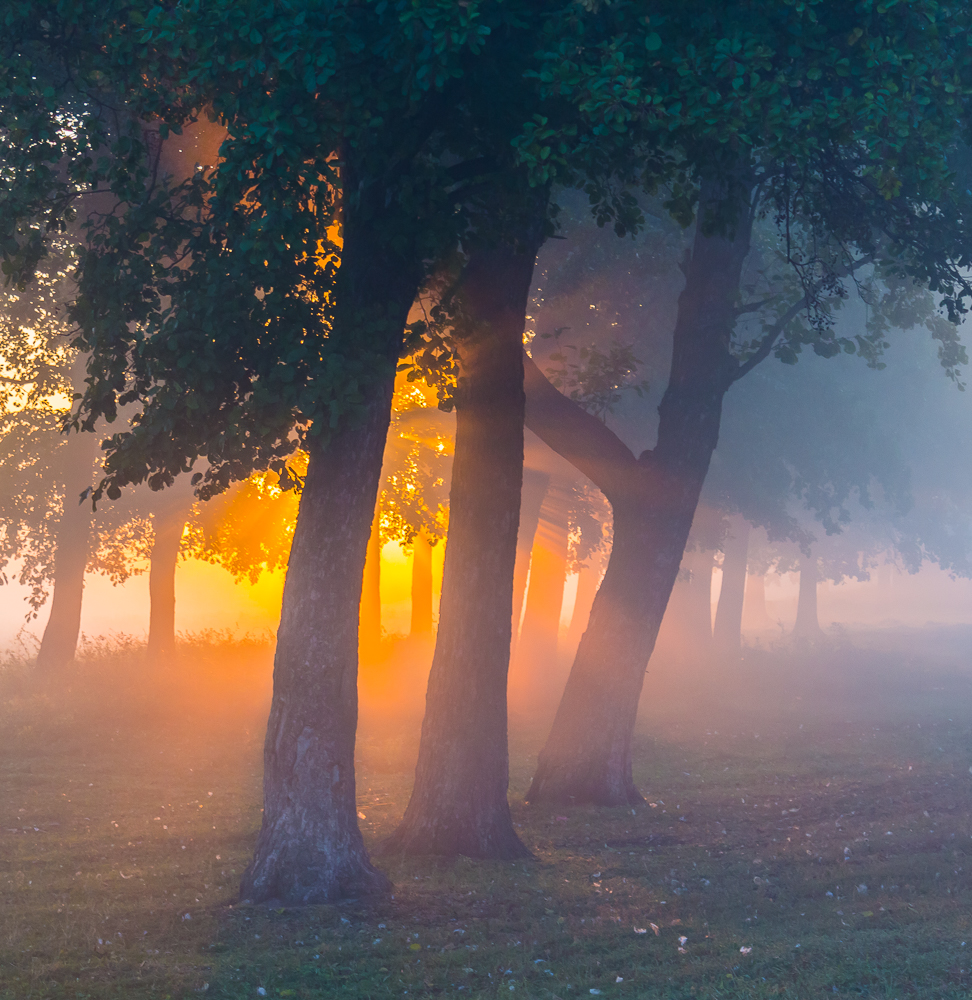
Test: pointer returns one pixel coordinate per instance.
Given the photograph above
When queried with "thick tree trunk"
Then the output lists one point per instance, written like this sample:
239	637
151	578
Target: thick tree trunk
588	580
807	623
535	486
727	632
459	802
421	625
162	571
60	639
310	849
587	757
369	626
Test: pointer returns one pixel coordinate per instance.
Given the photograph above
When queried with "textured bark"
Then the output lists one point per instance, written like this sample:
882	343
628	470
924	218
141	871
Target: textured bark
535	486
309	849
421	624
807	623
459	802
727	632
162	571
369	626
587	757
60	639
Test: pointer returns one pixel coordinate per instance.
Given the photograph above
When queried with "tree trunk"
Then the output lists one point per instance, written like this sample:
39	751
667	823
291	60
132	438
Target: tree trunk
587	582
162	570
807	623
60	639
459	802
421	586
369	627
310	849
727	632
587	757
548	573
755	615
535	485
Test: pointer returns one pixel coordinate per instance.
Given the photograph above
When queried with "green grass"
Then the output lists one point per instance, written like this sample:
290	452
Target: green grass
130	800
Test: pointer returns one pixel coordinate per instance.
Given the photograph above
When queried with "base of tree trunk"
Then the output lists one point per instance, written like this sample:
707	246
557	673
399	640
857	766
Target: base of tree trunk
592	783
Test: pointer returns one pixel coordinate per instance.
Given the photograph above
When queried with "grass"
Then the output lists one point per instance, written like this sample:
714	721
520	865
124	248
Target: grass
780	787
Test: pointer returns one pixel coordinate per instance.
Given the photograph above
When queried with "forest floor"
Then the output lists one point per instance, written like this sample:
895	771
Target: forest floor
805	834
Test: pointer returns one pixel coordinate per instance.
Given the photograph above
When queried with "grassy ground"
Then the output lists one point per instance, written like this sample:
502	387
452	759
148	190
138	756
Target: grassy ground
806	834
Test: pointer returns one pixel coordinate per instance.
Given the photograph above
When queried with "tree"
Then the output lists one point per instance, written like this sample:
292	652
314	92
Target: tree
228	321
798	135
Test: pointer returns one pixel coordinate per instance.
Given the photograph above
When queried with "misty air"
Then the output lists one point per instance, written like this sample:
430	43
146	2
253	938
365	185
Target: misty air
485	499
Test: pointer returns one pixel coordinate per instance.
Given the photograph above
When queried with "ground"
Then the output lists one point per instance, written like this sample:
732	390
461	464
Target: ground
805	834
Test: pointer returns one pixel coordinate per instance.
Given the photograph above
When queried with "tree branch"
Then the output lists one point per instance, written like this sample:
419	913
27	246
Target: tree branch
576	435
766	345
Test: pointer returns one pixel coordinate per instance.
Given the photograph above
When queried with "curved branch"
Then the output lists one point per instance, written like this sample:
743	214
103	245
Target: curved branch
576	435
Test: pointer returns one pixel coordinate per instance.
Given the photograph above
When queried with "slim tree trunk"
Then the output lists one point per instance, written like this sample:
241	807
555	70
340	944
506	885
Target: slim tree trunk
807	623
162	570
727	632
369	628
60	639
755	615
459	802
310	849
535	679
587	757
587	582
535	486
421	586
548	573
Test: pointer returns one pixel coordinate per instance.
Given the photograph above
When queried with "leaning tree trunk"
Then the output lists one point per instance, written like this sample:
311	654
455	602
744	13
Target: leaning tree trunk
310	849
807	623
421	624
162	601
727	631
459	802
60	639
587	756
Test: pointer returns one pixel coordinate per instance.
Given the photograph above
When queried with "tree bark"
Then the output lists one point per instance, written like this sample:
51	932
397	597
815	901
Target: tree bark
807	623
310	849
727	632
535	486
162	602
421	586
60	639
369	627
459	801
587	756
